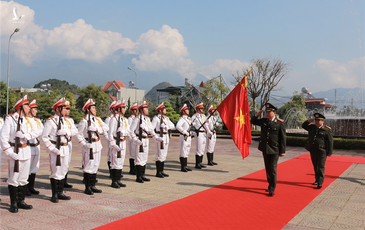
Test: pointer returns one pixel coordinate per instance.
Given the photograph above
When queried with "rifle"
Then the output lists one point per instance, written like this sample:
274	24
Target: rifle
186	137
162	146
140	134
16	145
58	141
91	154
202	125
119	155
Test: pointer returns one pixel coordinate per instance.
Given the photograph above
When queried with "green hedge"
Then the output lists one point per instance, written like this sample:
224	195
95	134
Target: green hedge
338	143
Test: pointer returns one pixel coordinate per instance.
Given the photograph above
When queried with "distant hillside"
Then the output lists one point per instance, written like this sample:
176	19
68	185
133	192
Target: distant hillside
156	97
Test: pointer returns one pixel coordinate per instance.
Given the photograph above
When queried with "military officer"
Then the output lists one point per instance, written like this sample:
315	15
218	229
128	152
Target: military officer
131	146
319	144
89	129
107	120
202	130
211	122
17	181
118	131
184	127
272	142
70	124
57	132
34	148
162	124
139	131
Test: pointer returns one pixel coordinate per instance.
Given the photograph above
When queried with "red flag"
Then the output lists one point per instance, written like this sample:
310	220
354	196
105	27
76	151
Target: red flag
235	113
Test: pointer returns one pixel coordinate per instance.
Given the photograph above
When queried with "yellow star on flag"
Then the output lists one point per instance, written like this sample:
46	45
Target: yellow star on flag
241	118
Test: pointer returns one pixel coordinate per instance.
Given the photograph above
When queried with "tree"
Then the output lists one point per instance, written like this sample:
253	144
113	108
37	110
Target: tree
98	95
60	85
214	92
175	102
128	113
264	78
294	112
13	98
170	112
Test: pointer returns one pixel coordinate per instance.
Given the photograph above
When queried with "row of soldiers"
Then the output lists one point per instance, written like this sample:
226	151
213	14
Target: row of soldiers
22	131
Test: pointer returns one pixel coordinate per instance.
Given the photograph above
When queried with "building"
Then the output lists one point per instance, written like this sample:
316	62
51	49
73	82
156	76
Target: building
116	89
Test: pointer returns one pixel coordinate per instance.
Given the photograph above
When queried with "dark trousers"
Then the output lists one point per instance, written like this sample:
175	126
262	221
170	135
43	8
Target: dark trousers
319	162
271	162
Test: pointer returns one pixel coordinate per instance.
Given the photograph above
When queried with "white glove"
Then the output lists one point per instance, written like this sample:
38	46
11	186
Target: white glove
56	151
92	128
88	145
116	147
138	142
61	132
210	134
159	139
143	126
14	156
19	134
193	133
163	125
121	130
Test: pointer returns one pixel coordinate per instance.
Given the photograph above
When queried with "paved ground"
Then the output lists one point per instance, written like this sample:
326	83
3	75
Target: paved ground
340	206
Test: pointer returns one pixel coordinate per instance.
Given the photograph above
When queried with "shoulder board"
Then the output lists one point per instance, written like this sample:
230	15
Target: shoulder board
10	115
37	119
84	117
280	120
326	126
50	118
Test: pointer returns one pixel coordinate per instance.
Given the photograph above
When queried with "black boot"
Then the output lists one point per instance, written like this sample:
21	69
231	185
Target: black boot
201	161
162	169
186	164
119	176
13	193
209	157
27	192
31	180
54	197
110	172
132	167
93	182
66	185
21	197
197	162
139	174
158	169
143	173
182	163
60	195
113	173
87	179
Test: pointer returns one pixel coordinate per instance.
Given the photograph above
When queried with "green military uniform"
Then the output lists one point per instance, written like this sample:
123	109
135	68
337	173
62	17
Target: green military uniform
272	143
320	145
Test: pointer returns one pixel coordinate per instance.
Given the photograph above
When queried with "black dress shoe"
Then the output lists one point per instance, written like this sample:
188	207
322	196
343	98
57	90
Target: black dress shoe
267	190
319	186
271	193
315	183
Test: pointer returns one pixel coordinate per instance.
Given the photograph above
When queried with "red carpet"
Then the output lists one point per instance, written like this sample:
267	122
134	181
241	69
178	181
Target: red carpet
243	203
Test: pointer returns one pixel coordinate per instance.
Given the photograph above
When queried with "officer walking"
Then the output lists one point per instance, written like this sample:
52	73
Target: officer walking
272	142
319	144
162	124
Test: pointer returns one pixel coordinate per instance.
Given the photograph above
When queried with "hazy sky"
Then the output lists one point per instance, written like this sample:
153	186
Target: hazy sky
323	40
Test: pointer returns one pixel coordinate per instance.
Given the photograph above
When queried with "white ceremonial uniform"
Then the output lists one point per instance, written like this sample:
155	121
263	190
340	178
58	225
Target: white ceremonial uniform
107	122
200	140
117	163
1	125
166	126
49	137
7	136
141	157
211	140
91	166
183	126
35	147
131	145
70	124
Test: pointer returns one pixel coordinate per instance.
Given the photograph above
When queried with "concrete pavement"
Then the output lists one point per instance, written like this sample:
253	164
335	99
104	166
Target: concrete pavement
340	206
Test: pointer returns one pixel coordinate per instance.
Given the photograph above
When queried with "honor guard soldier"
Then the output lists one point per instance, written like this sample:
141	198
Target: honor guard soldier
118	131
162	124
201	129
139	131
272	142
90	128
15	134
184	127
55	136
70	125
211	123
34	148
319	144
131	145
107	120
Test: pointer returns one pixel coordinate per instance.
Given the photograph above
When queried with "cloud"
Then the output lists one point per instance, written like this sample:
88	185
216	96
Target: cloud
347	75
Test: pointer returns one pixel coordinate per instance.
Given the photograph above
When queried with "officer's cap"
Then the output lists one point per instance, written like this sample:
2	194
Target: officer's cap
318	116
270	107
